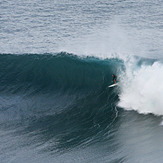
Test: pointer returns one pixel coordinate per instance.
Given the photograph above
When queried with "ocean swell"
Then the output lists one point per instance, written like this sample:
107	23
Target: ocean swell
44	84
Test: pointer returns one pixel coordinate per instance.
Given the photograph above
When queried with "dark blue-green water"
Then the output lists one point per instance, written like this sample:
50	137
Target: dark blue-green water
56	62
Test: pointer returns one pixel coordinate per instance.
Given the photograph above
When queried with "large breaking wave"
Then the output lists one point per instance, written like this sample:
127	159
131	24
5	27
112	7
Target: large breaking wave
45	84
66	99
39	85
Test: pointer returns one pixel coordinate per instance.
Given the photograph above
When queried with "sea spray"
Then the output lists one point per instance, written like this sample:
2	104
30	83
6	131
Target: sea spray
142	89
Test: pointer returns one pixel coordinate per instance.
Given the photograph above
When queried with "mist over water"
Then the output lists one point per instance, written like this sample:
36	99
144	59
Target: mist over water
56	62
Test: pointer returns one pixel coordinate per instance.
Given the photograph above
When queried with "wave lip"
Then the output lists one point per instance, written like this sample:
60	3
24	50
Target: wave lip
48	72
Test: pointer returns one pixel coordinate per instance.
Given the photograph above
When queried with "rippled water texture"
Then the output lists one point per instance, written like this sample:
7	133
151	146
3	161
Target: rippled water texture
56	62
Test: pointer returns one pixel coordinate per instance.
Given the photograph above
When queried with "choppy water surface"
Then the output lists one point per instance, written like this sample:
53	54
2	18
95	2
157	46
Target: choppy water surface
56	62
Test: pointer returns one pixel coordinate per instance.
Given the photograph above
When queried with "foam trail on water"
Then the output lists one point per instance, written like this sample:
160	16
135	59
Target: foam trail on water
142	89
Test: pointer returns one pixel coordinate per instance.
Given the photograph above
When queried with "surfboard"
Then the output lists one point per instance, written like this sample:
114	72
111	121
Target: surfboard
113	85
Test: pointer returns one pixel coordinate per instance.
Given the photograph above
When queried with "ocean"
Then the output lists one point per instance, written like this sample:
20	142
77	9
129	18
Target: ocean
56	63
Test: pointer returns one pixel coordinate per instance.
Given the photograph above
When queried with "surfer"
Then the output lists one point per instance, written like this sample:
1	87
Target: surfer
114	78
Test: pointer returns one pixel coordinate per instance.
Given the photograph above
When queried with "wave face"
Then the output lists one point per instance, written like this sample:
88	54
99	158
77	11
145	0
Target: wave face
61	98
49	83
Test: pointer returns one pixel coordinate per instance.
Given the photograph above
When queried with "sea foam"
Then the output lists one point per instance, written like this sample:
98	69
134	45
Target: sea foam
142	89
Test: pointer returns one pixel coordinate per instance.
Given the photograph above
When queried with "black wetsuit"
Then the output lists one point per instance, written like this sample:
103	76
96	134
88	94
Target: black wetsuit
114	78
